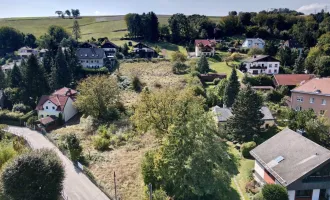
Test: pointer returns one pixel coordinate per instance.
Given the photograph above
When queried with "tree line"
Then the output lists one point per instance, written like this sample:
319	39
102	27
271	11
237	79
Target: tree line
74	12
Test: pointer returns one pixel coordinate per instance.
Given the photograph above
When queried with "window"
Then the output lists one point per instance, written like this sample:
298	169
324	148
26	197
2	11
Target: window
300	99
270	65
86	61
298	108
275	70
46	107
276	65
304	193
91	61
322	112
324	102
53	108
311	100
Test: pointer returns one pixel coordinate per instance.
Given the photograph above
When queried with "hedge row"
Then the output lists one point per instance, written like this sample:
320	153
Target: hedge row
14	118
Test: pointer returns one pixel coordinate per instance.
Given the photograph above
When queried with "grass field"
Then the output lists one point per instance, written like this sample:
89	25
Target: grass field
221	67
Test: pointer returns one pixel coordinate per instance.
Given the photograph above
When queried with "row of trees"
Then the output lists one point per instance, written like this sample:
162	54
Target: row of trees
74	12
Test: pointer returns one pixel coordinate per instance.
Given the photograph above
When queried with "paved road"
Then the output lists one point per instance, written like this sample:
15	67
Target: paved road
76	185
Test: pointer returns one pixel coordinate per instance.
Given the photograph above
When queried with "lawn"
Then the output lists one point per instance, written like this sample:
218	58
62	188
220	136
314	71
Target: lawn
221	67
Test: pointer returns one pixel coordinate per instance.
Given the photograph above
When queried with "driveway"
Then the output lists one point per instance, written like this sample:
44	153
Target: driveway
76	185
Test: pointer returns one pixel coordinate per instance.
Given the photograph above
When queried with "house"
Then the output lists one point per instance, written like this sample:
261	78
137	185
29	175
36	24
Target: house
109	48
91	57
291	80
205	47
42	52
221	115
144	51
88	45
9	66
25	52
2	99
313	94
294	44
253	43
262	64
295	162
60	102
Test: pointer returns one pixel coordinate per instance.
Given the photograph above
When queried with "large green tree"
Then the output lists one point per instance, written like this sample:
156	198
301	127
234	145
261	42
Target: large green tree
246	123
35	175
203	66
60	73
76	30
299	66
10	40
15	77
232	89
323	66
2	79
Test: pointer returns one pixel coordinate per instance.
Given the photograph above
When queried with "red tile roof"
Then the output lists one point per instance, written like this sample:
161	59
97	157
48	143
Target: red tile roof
317	85
205	42
65	92
58	100
291	79
47	120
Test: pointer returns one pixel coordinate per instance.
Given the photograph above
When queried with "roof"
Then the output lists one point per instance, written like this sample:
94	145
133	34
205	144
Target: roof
88	45
292	43
65	92
90	53
318	86
223	114
300	154
26	48
206	43
259	39
261	58
58	100
108	44
47	120
141	45
291	79
262	87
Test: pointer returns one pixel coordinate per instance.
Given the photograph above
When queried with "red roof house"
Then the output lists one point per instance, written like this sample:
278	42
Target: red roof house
205	47
291	79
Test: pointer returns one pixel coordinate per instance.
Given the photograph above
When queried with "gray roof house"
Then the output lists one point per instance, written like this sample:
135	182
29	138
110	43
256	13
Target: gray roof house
295	162
91	57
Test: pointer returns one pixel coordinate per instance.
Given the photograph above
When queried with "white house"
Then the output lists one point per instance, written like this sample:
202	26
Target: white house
254	43
205	47
142	47
91	57
60	102
109	48
262	64
25	52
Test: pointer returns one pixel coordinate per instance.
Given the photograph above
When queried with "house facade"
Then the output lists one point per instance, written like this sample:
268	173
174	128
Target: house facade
91	57
295	162
205	47
109	48
144	51
313	94
254	43
25	52
60	102
262	64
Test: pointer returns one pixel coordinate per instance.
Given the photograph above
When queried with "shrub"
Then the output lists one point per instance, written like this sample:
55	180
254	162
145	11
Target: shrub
246	148
100	144
274	192
7	152
179	57
255	51
27	116
236	56
74	147
260	80
124	82
21	108
32	120
179	68
274	96
42	173
136	84
216	81
258	196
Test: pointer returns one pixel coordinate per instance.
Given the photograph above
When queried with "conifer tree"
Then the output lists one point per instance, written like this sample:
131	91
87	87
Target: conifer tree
203	65
2	79
247	116
60	73
232	89
299	66
76	30
15	79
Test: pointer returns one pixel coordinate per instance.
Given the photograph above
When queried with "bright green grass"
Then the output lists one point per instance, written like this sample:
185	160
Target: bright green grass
221	67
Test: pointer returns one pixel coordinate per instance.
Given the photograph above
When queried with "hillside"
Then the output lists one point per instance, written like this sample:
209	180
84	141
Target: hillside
113	27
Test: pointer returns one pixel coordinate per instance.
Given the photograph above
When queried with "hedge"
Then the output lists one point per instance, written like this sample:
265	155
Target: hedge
246	148
14	118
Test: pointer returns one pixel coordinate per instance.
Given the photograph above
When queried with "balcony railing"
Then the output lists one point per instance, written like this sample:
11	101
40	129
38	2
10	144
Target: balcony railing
258	67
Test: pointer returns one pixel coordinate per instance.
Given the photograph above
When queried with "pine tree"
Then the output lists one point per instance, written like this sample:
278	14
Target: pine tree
247	120
47	62
76	30
60	73
2	79
15	79
203	65
232	89
299	67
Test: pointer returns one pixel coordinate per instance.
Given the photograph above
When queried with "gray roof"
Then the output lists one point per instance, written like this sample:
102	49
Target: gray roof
90	53
223	114
300	156
260	58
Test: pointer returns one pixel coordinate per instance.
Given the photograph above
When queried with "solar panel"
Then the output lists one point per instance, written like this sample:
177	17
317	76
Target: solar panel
279	159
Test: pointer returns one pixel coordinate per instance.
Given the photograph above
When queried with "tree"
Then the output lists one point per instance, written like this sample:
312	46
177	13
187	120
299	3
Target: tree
76	30
318	131
231	89
179	26
37	174
178	57
255	51
179	68
99	97
310	62
57	33
30	40
323	66
15	77
151	26
270	48
68	13
2	80
299	66
125	49
164	32
203	65
10	40
246	122
75	13
60	73
59	13
74	147
274	192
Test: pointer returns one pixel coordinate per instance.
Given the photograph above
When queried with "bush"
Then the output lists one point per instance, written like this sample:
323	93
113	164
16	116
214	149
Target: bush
274	192
258	196
7	152
260	80
274	96
124	82
179	68
216	81
246	148
100	144
136	84
35	175
32	120
236	56
21	108
28	115
255	51
179	57
74	147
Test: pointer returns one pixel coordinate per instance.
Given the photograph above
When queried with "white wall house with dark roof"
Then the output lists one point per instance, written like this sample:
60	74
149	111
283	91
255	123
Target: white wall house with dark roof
91	57
262	64
253	43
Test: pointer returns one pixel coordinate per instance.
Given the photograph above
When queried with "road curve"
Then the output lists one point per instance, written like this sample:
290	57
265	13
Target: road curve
76	184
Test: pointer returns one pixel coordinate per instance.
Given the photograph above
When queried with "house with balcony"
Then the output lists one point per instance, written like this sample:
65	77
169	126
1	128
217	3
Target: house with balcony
91	57
262	64
313	94
144	51
205	47
253	43
109	48
295	162
25	52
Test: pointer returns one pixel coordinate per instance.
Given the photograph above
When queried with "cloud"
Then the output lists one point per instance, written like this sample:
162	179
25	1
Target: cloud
97	13
311	8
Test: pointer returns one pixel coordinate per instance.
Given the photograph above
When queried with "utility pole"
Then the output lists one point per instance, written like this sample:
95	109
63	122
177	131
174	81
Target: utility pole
150	191
114	180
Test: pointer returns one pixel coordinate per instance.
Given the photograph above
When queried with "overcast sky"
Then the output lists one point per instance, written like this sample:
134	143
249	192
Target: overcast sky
31	8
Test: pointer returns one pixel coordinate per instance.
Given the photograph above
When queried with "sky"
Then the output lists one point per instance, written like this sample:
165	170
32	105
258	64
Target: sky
35	8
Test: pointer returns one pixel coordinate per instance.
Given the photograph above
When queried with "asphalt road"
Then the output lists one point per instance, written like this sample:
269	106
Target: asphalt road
76	185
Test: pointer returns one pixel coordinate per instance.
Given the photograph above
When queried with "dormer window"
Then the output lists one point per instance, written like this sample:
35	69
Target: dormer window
53	108
92	55
85	55
46	107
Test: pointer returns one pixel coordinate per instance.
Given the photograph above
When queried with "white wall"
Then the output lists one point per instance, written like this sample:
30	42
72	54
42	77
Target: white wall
69	110
48	109
110	49
145	49
96	62
292	194
316	194
199	52
253	43
271	69
258	168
